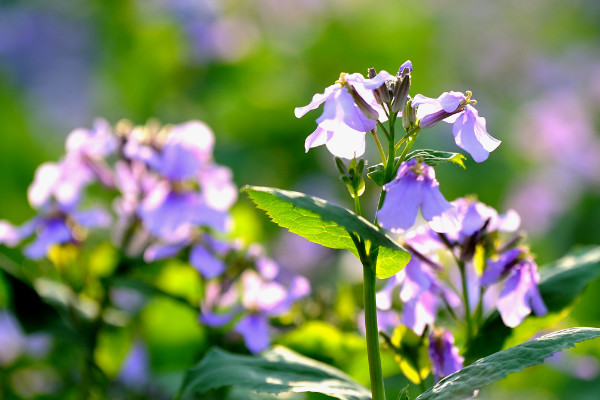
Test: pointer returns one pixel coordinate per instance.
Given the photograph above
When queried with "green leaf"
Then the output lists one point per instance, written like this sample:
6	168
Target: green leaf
403	395
430	157
276	370
561	282
328	225
495	367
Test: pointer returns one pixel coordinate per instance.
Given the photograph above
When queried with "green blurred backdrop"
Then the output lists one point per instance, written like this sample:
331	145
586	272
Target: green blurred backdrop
243	65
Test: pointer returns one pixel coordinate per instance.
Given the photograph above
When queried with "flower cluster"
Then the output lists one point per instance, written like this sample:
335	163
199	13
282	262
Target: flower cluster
170	191
498	274
249	299
171	200
354	104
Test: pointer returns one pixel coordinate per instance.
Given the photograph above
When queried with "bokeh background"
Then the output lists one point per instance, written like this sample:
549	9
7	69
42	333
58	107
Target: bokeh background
243	65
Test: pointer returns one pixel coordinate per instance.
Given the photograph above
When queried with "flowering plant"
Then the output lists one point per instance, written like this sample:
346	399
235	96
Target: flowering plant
458	279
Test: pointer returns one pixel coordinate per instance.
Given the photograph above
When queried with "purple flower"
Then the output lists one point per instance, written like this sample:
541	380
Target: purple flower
421	293
59	183
343	124
469	129
520	294
51	228
187	149
443	353
166	212
414	188
205	253
474	216
135	371
264	299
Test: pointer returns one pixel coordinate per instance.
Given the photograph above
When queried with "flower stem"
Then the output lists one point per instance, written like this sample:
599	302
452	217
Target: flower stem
372	331
463	278
378	143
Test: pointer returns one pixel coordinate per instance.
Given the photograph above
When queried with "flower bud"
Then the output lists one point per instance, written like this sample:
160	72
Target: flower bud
382	94
340	166
409	116
401	91
366	109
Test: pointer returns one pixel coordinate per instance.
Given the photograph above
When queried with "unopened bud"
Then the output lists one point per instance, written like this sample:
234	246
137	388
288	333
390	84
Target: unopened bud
361	167
340	166
401	92
366	109
409	116
382	94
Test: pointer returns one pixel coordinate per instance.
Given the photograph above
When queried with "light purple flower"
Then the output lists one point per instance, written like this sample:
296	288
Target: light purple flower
520	294
165	212
421	293
473	216
135	371
414	188
61	183
205	253
12	338
187	149
343	124
444	356
265	299
51	228
98	142
469	130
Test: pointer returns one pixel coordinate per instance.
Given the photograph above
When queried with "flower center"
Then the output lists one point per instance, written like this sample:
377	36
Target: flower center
342	79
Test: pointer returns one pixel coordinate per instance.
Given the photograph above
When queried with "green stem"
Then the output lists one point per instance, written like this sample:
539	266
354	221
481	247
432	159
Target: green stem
463	278
375	370
379	147
357	204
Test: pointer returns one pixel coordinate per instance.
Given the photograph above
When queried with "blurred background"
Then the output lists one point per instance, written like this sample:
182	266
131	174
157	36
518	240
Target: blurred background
243	65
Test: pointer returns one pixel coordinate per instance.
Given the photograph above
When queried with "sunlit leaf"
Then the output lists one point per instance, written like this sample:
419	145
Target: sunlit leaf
328	225
463	383
277	370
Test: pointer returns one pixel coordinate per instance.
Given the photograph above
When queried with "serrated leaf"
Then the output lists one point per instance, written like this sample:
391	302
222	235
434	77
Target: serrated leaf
561	282
328	225
463	383
430	157
277	370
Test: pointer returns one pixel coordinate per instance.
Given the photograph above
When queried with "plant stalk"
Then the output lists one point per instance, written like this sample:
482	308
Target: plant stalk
375	370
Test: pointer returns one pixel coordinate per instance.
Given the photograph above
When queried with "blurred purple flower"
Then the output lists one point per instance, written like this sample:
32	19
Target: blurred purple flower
469	129
135	370
59	182
263	300
51	228
343	124
520	294
205	253
443	354
166	212
414	188
12	339
421	293
474	216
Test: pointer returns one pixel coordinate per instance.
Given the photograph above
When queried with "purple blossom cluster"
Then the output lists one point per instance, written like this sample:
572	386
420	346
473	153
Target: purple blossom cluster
170	192
499	274
353	106
171	200
247	301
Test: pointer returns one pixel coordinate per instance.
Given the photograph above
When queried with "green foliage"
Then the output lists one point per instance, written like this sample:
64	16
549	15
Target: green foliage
275	371
495	367
430	157
328	225
561	282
